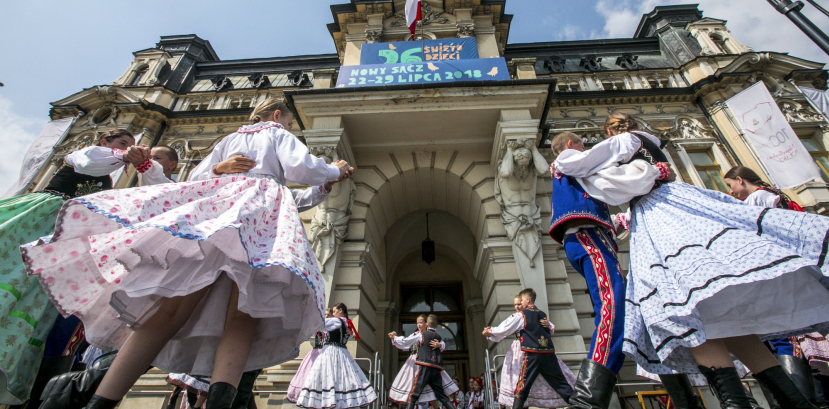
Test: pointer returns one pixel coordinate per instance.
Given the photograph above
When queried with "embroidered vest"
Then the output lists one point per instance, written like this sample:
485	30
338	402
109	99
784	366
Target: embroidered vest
534	337
651	153
570	202
318	340
74	184
338	337
427	356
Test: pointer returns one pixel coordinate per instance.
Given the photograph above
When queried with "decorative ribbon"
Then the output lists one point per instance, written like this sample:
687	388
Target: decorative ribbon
353	330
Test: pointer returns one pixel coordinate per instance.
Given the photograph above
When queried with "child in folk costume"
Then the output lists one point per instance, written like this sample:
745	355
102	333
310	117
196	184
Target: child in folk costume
696	294
403	384
475	397
541	394
335	379
796	353
430	362
307	363
26	315
539	352
214	274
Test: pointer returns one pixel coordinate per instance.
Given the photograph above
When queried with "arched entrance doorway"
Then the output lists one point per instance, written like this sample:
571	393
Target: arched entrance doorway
445	300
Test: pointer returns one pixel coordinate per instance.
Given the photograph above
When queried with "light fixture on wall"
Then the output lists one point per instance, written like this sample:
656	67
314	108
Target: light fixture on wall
427	248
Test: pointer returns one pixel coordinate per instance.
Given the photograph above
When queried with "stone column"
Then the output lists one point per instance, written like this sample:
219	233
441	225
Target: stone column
524	68
518	165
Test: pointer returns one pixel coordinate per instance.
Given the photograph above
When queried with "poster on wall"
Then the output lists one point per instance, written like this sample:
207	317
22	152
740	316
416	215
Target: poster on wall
450	49
485	69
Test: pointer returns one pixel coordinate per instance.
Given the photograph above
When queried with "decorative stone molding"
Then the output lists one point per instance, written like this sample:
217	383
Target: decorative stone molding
466	30
795	112
374	35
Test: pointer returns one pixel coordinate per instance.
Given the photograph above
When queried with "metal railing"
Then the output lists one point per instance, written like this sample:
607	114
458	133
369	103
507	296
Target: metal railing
375	377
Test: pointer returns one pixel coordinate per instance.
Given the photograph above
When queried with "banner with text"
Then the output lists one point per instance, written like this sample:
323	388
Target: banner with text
486	69
451	49
788	162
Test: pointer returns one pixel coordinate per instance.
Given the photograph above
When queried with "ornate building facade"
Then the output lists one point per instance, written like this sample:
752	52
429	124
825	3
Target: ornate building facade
441	149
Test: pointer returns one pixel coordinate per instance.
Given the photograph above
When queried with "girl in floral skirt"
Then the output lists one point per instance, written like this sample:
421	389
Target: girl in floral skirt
214	275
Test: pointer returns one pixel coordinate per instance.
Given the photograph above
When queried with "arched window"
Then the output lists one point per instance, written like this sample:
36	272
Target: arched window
719	41
138	74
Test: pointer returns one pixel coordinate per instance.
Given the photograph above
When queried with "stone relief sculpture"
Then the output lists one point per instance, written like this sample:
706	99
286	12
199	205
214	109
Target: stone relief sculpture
515	191
329	227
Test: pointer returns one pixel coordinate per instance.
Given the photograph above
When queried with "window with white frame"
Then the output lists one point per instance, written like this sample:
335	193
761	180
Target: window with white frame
819	154
705	163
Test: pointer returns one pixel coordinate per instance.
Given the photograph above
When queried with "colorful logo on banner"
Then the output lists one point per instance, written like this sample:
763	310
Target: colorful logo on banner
486	69
453	49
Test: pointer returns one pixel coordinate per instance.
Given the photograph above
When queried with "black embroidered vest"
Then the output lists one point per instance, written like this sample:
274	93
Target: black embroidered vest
73	184
427	356
338	337
651	153
534	337
318	342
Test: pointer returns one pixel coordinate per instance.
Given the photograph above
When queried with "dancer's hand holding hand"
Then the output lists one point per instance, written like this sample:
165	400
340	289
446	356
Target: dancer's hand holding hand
136	155
545	323
487	332
392	335
435	344
345	170
235	164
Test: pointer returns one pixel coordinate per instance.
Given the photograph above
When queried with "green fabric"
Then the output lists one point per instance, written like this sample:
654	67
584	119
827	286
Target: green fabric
15	293
26	314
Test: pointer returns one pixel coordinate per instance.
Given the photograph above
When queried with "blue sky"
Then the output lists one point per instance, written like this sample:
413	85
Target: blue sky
52	49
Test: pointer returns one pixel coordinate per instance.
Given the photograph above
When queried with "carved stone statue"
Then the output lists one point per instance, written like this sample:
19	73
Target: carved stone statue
329	227
515	188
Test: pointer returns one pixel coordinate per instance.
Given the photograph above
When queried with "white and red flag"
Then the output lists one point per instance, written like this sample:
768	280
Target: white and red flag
414	14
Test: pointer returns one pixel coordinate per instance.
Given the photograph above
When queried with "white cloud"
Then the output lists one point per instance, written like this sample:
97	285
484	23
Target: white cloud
755	23
17	132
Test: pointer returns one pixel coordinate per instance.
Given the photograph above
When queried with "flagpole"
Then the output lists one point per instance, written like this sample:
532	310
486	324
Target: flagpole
811	104
724	108
422	28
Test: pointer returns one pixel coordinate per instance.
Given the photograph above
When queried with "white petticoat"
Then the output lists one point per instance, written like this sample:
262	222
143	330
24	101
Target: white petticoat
696	379
404	383
706	266
115	254
335	381
301	374
541	394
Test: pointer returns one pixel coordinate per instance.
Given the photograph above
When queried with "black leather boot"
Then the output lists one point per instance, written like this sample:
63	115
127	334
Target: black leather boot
244	393
726	385
98	402
681	391
800	372
594	386
517	404
783	388
751	401
769	398
220	396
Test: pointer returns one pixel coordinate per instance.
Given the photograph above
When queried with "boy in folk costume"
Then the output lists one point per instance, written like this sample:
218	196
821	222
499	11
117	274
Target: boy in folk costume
539	351
582	223
431	366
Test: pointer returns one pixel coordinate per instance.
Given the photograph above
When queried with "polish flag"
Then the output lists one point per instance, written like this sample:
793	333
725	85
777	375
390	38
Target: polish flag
413	14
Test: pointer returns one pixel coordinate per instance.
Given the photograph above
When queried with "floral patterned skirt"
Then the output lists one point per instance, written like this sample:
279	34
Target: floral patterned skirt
541	394
704	265
116	255
403	384
26	314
